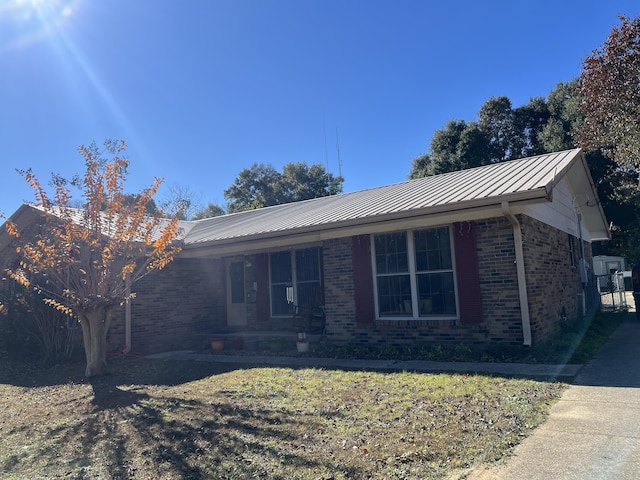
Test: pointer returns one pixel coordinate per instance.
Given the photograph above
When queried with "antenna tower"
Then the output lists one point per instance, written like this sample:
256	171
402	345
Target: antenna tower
338	149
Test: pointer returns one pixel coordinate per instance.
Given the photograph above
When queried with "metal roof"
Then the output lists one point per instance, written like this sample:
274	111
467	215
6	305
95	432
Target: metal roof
28	212
526	179
447	197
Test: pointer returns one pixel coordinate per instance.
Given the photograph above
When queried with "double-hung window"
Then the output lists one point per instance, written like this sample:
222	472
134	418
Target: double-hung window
299	269
414	274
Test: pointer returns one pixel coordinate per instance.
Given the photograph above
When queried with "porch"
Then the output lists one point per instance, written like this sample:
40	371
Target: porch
256	340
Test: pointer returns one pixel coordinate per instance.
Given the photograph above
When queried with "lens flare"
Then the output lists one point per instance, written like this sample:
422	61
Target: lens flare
25	22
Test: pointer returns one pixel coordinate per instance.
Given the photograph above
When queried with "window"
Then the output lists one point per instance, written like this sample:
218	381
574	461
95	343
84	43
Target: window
236	277
393	278
414	274
299	269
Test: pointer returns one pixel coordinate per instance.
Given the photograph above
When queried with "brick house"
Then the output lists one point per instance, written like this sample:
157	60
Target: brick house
499	254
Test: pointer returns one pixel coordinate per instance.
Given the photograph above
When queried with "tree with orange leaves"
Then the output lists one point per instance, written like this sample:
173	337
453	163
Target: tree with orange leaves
84	261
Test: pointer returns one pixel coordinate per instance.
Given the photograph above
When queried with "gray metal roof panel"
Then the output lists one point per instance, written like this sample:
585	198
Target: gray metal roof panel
481	184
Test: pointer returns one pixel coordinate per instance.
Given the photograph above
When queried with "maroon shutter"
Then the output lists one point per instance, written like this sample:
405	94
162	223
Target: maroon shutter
263	305
223	291
467	271
362	278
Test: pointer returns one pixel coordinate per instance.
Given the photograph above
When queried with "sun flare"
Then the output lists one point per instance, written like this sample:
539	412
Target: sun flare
25	22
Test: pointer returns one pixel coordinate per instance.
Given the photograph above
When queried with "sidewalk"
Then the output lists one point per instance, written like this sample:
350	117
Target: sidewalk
593	432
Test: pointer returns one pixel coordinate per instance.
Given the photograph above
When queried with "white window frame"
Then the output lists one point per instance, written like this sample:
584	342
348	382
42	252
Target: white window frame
413	277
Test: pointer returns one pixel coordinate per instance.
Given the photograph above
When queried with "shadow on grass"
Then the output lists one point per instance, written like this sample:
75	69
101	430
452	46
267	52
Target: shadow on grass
107	395
138	420
137	370
123	432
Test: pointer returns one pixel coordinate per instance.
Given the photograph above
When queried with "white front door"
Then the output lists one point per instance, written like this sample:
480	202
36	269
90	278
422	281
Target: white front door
236	307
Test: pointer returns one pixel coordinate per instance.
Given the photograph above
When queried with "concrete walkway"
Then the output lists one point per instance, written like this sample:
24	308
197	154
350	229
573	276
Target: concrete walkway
593	432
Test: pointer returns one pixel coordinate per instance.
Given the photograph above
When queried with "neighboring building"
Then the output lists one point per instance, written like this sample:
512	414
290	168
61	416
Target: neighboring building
611	274
499	254
607	264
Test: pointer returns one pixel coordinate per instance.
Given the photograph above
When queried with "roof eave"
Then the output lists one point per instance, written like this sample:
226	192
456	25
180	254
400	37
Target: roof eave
448	213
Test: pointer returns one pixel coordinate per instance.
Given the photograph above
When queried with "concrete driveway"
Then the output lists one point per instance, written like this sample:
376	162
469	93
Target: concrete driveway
593	432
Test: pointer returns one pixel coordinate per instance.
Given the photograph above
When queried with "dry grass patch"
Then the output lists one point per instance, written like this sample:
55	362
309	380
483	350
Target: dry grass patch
192	420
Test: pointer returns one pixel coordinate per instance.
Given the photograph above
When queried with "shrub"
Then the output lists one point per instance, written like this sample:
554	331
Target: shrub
30	330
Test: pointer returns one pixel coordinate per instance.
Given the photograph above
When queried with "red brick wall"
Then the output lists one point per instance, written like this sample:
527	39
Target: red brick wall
553	287
553	282
172	306
498	281
188	296
340	311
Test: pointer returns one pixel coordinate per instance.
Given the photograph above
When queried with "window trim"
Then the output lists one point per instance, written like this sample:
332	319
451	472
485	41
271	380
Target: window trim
413	278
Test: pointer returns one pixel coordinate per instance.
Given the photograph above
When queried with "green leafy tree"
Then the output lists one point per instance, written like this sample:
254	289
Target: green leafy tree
512	132
263	186
84	262
565	117
458	146
542	125
500	133
212	210
253	187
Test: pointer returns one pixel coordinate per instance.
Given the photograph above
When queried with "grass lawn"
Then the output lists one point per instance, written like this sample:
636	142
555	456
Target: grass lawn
152	419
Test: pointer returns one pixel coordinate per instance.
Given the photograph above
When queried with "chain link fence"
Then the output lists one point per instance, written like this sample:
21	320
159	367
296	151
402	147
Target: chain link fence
613	294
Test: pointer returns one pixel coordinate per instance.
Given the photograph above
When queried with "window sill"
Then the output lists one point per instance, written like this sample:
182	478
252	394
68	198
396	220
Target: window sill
417	321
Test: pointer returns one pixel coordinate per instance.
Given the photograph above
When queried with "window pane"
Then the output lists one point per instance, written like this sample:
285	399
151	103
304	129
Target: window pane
394	295
279	304
308	294
307	265
236	274
280	280
436	294
281	267
305	281
391	253
433	249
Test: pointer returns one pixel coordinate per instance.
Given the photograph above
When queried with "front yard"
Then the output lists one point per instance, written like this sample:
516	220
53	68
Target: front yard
154	419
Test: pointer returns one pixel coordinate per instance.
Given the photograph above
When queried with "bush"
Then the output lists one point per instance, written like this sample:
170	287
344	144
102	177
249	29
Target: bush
31	330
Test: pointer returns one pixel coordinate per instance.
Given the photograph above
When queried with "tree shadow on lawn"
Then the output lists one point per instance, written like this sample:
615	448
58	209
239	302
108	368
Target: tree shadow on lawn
127	429
138	371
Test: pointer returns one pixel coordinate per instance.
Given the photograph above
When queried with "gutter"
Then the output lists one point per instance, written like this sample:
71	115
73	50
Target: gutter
522	279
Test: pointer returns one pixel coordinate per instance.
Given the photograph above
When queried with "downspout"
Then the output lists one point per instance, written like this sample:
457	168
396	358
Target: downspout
522	279
127	318
582	265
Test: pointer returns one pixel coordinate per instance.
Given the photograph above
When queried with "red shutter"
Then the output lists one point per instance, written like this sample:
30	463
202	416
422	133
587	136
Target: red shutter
223	291
263	304
467	271
362	278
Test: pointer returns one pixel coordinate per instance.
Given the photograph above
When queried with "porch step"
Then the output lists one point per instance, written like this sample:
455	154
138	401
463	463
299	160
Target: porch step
274	341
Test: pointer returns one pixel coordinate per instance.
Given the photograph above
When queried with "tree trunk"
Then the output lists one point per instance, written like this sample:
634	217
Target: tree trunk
95	325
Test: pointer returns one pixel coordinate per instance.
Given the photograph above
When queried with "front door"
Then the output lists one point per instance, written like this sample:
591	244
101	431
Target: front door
236	307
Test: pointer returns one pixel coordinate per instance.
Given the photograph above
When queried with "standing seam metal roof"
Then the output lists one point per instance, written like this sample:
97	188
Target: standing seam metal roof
480	184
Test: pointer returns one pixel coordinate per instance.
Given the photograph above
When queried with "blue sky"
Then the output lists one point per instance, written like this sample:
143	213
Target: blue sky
201	89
